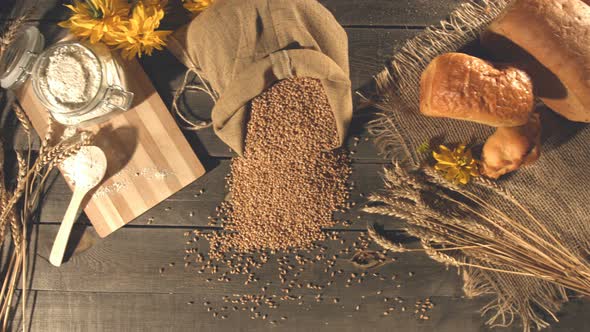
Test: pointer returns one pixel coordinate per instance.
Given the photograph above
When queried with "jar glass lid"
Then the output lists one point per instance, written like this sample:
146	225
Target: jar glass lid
16	62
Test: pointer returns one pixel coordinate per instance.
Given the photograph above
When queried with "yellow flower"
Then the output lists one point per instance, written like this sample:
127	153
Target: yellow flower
196	6
153	5
139	34
458	165
95	19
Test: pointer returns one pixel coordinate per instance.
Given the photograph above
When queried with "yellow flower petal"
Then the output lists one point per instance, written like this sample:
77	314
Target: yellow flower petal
457	165
443	157
462	179
84	23
196	6
130	29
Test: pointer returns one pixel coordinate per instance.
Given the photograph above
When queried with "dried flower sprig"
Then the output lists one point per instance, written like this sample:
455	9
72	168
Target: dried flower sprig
457	165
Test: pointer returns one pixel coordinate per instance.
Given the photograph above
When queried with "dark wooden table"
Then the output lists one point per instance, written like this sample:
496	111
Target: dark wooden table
136	279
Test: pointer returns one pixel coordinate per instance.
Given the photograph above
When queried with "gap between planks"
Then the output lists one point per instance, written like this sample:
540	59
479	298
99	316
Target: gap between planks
190	207
88	311
137	260
347	12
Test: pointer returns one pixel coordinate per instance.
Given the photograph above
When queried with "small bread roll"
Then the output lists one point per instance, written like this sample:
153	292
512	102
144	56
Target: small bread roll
510	148
557	34
460	86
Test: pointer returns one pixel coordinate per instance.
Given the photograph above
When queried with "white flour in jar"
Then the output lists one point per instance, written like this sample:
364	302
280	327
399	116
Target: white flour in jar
71	78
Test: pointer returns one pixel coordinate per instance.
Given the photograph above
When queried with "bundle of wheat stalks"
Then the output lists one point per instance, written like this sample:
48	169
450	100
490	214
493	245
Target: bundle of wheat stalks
457	227
20	197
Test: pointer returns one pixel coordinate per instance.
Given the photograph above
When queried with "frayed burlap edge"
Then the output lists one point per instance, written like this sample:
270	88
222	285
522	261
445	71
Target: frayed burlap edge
397	92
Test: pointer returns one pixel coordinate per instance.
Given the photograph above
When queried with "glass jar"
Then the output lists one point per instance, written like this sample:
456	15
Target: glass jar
79	83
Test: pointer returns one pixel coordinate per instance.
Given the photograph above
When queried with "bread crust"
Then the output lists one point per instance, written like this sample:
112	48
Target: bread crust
557	34
510	148
460	86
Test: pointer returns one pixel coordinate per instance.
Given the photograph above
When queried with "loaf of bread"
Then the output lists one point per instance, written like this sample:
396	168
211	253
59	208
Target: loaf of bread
557	34
460	86
545	83
510	148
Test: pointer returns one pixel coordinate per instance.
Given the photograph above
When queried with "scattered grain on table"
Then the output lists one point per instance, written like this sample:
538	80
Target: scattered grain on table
284	192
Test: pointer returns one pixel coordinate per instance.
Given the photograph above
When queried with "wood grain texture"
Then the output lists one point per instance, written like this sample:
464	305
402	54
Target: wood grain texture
347	12
390	12
89	312
130	260
189	207
105	286
148	157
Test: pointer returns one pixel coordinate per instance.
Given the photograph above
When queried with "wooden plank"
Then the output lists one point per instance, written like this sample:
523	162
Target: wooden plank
347	12
370	48
87	311
189	207
148	157
390	12
206	143
130	261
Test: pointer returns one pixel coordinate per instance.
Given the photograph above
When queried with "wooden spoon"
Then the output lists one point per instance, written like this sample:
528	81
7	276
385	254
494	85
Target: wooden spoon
86	170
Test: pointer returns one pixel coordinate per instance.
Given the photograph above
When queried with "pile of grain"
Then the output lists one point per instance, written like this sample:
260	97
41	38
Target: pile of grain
289	182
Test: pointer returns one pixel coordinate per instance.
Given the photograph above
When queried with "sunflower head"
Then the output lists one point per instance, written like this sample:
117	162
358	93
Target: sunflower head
457	165
95	19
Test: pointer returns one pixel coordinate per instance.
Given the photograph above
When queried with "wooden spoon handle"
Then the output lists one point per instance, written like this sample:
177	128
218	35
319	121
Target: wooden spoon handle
63	235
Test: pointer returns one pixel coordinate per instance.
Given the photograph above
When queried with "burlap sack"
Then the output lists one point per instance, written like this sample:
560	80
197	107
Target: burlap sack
242	47
553	188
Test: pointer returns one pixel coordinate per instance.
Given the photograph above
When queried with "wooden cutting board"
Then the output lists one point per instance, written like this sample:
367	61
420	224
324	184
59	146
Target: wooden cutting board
149	158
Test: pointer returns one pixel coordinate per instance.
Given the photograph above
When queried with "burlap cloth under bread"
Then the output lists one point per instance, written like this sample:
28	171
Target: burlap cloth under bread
555	188
242	47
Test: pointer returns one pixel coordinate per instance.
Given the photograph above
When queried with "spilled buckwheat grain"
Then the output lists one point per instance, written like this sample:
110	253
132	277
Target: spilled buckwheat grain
290	179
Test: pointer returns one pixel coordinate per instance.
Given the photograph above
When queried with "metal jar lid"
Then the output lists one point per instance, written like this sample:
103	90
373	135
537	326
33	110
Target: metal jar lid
20	57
